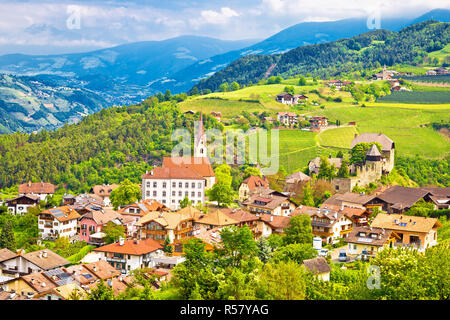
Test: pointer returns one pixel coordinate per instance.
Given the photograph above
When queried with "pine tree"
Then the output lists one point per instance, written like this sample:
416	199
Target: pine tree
263	250
7	239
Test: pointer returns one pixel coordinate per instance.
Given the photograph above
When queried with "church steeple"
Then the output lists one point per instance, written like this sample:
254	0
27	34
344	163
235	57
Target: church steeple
200	140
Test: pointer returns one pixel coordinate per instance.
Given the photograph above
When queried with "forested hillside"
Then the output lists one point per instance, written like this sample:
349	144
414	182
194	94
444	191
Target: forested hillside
106	147
357	54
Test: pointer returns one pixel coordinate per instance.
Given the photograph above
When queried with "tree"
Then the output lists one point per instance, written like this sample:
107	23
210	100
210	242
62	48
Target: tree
237	244
340	154
167	248
7	239
289	89
101	292
343	171
234	86
251	171
359	151
282	281
421	208
296	252
308	198
302	81
113	232
263	249
326	170
185	202
222	193
224	87
126	193
299	230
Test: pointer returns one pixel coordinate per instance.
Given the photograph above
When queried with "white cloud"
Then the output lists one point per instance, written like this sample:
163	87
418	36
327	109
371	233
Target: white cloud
214	17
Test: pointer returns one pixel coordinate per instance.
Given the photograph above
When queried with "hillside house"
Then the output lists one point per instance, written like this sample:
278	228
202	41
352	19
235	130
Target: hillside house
265	200
287	118
249	184
415	232
40	189
338	84
318	122
319	267
92	224
368	241
20	204
104	192
58	222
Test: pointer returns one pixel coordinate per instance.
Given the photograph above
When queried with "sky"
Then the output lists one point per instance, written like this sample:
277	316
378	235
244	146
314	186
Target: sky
50	26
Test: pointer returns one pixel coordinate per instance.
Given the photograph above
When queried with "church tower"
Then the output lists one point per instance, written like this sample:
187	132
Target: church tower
200	141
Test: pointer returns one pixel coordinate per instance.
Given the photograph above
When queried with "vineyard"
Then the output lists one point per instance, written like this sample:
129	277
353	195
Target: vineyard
443	78
417	97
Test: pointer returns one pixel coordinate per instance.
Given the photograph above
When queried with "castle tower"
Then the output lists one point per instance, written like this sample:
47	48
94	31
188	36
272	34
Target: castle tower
200	141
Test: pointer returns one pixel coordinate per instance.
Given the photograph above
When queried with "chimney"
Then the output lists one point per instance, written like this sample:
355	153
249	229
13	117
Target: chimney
40	254
44	254
94	268
271	218
43	285
121	241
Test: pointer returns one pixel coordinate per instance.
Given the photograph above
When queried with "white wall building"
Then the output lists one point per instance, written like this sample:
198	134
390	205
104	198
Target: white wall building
58	222
169	186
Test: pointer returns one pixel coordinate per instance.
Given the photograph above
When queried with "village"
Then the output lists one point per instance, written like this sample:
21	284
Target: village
347	226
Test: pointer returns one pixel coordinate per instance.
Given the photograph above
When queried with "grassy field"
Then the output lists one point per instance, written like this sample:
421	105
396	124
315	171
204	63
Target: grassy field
417	97
403	122
442	54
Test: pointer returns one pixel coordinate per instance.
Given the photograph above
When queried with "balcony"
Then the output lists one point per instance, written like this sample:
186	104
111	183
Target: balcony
114	259
346	231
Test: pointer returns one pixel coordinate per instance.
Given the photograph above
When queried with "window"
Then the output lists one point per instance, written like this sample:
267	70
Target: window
186	193
148	193
192	194
193	185
148	184
199	185
173	184
155	184
164	201
164	184
154	193
199	194
180	184
173	193
180	193
164	194
186	185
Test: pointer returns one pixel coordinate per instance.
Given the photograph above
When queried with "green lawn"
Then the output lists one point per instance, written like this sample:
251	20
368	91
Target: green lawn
339	137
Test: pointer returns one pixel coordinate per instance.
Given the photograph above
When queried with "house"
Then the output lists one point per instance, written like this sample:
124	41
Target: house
58	222
250	184
368	241
217	115
85	203
104	192
300	97
384	75
265	200
94	222
442	70
127	255
200	165
133	212
439	196
338	84
20	204
415	232
269	120
243	218
387	151
40	189
65	292
319	267
270	224
318	122
68	199
163	225
431	72
285	98
351	200
328	224
314	164
171	185
398	199
359	216
287	118
215	219
88	273
41	260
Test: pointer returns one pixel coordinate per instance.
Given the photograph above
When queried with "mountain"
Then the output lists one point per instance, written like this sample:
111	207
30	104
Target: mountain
305	33
356	54
31	103
126	68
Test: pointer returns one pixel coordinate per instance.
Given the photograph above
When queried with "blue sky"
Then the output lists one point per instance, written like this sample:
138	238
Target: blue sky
42	26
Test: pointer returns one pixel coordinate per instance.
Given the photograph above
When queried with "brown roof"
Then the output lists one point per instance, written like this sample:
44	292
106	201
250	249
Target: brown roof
386	143
239	215
4	295
255	181
332	215
39	282
267	200
216	218
102	269
145	207
104	190
64	213
317	265
173	173
276	222
348	211
359	199
36	187
102	217
168	220
6	254
373	236
81	274
200	165
405	223
132	247
297	176
46	259
402	197
438	192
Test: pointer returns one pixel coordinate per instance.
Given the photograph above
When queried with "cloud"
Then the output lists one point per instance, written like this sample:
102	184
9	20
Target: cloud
214	17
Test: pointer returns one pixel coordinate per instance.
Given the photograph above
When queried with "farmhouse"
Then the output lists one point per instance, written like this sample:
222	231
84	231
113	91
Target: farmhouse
249	185
415	232
40	189
41	260
287	118
20	204
58	222
338	84
368	241
104	192
319	267
318	122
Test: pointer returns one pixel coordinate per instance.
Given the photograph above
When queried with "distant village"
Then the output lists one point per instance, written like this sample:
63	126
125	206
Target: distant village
160	220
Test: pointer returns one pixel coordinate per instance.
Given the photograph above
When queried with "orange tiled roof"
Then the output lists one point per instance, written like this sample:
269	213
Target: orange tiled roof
255	181
36	187
200	165
132	247
173	173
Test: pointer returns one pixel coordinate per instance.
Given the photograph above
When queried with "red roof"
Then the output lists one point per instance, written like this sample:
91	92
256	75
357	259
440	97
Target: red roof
255	181
200	165
36	187
172	173
133	247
